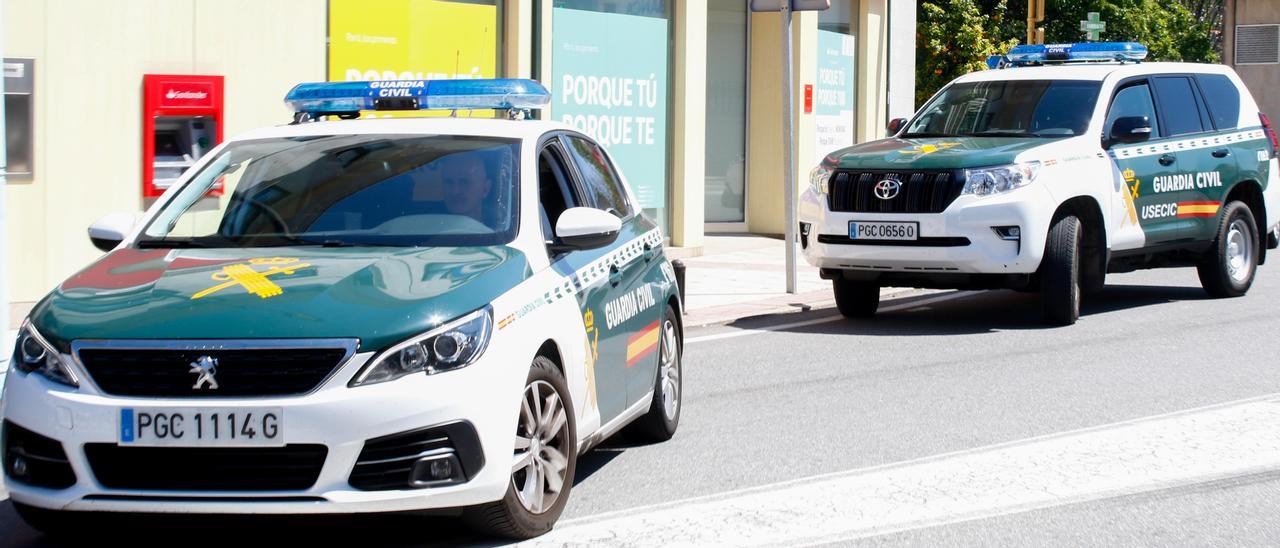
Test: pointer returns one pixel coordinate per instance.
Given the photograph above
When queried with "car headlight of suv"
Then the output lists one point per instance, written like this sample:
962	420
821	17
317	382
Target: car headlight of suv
988	181
34	354
451	346
820	179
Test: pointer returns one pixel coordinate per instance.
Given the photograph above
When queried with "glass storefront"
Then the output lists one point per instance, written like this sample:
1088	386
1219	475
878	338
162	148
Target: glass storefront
834	89
414	39
610	78
726	138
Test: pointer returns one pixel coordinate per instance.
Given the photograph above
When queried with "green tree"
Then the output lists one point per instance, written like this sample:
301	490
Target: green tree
954	37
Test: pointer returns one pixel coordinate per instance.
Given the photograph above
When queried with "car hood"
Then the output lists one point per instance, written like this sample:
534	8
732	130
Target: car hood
378	295
934	153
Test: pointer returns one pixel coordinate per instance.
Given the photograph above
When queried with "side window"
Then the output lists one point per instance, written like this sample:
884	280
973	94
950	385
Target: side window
555	193
1180	106
1223	99
599	181
1133	100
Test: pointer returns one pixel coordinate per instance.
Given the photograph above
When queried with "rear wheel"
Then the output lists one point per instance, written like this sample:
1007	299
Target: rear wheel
1227	269
543	461
856	299
1060	272
660	423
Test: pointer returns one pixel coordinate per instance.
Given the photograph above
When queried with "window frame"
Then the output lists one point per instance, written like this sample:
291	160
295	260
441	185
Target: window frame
1197	77
1155	108
1206	122
550	142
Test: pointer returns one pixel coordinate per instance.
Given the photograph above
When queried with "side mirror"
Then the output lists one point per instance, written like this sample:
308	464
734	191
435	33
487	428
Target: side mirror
586	228
1130	129
107	233
896	125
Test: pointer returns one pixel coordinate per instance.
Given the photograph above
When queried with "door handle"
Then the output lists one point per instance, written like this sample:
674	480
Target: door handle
615	275
649	253
1166	160
1221	153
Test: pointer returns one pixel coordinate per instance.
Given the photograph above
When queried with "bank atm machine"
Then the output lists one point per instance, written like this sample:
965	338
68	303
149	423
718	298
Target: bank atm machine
182	121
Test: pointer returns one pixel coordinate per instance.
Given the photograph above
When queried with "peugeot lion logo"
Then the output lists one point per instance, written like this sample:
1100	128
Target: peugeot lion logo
888	189
206	367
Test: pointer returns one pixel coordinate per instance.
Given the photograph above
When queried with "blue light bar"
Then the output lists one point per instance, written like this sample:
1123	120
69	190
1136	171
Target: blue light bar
1035	54
344	97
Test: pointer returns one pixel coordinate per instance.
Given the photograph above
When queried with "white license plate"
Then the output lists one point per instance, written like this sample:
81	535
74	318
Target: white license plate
202	427
875	230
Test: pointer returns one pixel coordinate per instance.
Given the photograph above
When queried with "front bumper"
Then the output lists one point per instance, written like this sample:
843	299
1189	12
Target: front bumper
341	419
960	240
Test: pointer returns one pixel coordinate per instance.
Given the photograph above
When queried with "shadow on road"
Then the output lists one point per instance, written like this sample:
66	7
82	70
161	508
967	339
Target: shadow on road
976	312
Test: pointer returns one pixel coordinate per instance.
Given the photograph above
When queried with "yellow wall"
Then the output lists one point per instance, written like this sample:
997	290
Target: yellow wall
90	56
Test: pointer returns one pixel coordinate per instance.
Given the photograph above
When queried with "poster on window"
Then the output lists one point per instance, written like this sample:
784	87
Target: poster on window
833	93
412	40
609	80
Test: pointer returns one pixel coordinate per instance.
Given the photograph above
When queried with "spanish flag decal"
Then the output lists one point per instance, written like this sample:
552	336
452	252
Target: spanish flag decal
1197	209
642	344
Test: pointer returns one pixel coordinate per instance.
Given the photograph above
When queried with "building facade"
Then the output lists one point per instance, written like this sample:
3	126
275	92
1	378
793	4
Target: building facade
685	94
1251	45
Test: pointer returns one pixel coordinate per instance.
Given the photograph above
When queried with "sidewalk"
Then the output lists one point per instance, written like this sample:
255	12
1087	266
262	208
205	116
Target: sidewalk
739	276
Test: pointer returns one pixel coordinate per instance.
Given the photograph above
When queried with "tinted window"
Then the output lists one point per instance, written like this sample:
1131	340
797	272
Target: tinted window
392	190
1179	105
555	192
1134	100
1014	108
1223	99
604	190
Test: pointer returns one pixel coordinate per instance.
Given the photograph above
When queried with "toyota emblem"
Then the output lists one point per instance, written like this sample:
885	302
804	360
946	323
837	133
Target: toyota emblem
888	189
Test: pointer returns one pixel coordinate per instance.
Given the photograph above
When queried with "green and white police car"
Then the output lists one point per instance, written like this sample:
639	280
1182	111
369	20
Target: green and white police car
1063	164
379	315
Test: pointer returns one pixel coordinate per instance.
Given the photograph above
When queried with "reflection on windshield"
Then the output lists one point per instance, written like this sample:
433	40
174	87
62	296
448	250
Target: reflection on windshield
349	190
1015	108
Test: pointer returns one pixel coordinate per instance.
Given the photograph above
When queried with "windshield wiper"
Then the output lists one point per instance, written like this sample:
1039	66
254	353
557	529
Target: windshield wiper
202	242
915	135
278	241
1003	133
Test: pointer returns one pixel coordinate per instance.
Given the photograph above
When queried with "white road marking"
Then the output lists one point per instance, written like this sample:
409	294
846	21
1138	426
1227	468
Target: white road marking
826	319
1177	449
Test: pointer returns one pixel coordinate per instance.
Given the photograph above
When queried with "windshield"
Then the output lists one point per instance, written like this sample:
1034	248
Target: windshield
1013	108
339	190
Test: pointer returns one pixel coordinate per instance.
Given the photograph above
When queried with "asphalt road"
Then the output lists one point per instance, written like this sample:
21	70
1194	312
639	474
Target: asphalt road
966	381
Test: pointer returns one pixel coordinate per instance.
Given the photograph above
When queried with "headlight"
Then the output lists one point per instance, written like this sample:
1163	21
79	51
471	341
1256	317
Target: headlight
35	355
994	180
451	346
819	179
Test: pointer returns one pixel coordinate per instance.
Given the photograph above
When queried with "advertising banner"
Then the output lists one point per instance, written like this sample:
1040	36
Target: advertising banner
412	40
833	94
609	80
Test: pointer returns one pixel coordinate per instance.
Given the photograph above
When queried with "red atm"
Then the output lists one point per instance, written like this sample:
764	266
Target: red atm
181	121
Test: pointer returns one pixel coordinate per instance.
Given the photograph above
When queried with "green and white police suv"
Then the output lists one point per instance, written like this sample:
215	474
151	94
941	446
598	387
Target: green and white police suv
381	315
1062	164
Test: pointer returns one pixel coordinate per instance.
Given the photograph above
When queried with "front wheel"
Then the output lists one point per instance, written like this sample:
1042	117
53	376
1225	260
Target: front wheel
543	461
1060	274
1227	269
856	299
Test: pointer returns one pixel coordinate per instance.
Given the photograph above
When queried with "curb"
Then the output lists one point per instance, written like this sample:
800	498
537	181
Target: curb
785	304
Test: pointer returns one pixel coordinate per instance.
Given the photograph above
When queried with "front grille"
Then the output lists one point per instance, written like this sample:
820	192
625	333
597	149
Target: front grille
288	468
35	460
389	462
921	191
167	372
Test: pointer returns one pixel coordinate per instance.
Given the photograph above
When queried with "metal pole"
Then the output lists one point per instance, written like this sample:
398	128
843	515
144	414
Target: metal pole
788	144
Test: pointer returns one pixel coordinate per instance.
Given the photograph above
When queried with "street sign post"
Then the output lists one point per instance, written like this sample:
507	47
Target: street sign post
785	8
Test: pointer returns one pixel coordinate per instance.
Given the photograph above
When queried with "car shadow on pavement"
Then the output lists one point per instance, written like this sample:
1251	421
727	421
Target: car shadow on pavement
992	311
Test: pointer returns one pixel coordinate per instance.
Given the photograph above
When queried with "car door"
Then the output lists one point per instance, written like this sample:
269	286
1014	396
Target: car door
1143	164
632	317
1228	152
558	191
1203	164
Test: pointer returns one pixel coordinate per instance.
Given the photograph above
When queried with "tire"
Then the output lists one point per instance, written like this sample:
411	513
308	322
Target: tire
524	511
1228	268
856	299
660	423
1060	272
